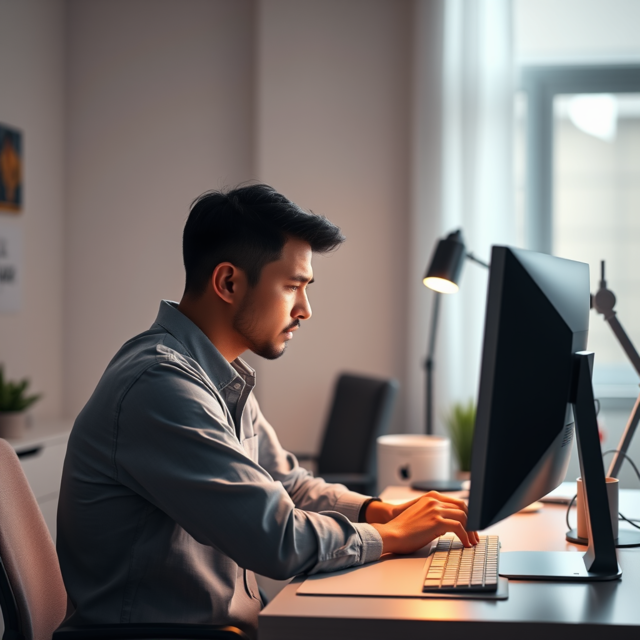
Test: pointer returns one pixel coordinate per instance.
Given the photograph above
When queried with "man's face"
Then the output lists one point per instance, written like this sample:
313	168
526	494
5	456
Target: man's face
273	309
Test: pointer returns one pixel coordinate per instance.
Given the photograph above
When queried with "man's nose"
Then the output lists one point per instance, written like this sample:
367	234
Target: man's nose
303	309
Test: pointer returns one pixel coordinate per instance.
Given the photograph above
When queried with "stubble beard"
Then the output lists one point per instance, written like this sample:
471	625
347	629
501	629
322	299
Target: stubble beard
245	322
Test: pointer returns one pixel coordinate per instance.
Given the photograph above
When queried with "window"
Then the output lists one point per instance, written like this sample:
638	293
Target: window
578	181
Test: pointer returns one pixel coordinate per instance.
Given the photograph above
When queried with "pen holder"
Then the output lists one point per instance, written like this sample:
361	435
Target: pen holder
612	495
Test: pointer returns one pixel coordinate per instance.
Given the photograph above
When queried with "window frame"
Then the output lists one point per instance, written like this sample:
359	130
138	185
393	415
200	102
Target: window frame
541	84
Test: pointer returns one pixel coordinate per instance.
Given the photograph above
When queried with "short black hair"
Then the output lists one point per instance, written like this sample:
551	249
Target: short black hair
248	227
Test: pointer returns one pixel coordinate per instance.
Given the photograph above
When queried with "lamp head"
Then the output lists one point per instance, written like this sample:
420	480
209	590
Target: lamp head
446	264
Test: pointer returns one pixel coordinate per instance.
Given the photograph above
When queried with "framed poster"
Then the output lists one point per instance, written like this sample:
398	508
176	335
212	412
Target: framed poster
10	169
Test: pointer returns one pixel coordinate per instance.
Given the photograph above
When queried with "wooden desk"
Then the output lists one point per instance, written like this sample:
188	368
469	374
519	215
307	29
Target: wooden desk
540	610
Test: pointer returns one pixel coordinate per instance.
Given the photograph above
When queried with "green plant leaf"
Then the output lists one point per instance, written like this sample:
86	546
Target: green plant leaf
460	423
13	395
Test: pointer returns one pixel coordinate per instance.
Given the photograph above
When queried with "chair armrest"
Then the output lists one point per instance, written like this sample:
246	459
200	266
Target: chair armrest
359	482
347	478
149	631
305	456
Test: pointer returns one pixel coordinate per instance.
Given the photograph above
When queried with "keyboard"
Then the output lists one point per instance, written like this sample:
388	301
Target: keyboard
456	569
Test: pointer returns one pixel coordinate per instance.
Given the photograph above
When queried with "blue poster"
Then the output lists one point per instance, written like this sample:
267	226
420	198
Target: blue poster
10	169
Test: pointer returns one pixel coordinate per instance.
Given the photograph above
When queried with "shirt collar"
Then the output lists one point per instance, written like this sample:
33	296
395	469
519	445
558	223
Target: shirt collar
201	349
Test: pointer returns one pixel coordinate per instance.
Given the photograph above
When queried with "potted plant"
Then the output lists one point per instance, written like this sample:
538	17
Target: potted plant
460	423
14	403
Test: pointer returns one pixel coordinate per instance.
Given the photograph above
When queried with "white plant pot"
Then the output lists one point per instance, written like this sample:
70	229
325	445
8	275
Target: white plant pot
12	424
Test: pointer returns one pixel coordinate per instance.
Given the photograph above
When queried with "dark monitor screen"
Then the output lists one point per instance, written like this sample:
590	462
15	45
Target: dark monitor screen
537	317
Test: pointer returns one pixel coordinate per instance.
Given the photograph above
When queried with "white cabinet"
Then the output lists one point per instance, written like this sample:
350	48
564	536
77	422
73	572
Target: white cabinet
41	451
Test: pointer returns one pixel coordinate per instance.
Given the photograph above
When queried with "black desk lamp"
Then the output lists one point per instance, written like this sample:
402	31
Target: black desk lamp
442	276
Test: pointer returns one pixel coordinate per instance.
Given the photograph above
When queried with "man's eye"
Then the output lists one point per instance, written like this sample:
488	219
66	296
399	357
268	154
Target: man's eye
293	287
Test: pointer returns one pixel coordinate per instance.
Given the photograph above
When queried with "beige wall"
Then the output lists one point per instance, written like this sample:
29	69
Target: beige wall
159	110
425	226
32	99
159	100
170	112
333	134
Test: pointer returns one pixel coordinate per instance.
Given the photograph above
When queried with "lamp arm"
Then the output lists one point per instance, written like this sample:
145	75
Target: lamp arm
634	418
625	441
431	347
470	256
429	362
624	340
604	302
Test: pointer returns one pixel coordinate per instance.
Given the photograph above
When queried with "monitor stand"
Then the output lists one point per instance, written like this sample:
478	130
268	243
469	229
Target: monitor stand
600	561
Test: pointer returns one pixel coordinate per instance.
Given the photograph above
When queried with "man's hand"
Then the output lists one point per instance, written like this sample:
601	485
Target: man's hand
420	521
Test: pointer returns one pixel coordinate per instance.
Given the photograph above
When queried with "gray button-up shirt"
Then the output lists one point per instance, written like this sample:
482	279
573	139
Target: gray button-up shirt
175	489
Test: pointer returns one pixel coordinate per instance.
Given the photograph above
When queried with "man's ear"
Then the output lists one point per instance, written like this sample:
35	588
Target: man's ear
227	281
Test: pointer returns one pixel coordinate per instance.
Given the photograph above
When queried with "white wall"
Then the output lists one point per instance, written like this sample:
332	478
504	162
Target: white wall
333	135
32	99
160	100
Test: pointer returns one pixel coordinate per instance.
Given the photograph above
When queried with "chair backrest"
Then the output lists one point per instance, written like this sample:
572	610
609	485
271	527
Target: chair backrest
34	599
361	411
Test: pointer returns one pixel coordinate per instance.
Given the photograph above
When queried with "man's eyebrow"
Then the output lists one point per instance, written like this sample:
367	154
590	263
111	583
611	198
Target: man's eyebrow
302	278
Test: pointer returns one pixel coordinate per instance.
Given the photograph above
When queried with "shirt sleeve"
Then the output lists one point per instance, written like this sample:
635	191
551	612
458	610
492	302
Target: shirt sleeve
175	448
307	492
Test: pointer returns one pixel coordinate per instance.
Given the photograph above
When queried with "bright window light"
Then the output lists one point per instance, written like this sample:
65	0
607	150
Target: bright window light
595	114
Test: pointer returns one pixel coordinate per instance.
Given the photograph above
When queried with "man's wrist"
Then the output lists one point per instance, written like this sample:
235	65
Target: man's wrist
387	535
379	512
362	515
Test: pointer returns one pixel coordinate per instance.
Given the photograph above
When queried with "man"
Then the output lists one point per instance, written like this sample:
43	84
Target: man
175	487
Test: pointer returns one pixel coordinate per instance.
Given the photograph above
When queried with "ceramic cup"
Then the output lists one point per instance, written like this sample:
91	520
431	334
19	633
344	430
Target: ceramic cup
612	494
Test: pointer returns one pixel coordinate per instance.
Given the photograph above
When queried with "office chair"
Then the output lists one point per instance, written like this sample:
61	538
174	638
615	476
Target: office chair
360	412
33	598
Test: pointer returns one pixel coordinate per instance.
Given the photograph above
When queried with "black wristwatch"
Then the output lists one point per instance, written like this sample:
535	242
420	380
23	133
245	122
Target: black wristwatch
362	515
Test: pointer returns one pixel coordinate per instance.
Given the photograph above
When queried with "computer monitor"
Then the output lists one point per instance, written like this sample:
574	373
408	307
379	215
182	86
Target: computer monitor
535	378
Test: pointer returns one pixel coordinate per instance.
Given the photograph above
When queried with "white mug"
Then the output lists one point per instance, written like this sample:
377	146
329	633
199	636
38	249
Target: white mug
612	494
